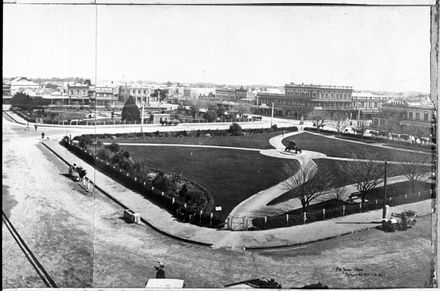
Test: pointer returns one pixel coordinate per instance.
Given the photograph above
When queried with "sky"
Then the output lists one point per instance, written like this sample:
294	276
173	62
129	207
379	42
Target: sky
369	48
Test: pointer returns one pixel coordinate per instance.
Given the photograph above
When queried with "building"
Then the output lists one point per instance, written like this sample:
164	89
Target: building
410	117
79	93
225	94
106	96
141	93
303	98
368	104
23	84
299	100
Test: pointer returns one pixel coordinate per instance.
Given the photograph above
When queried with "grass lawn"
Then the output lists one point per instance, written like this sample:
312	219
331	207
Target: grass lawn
398	189
231	176
259	141
331	167
339	148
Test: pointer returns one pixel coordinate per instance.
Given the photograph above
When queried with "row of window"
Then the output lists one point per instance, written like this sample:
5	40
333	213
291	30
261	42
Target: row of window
315	94
417	115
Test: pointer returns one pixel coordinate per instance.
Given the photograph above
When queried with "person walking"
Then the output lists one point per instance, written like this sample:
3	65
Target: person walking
160	272
36	126
27	126
42	135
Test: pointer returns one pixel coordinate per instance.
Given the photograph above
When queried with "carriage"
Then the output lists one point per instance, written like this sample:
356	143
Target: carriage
291	146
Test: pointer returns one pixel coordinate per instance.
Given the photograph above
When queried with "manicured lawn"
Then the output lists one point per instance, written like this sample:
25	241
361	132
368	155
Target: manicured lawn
398	189
331	168
339	148
231	176
259	141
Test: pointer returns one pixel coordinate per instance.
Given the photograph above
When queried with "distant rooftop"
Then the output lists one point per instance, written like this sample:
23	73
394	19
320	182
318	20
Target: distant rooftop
319	86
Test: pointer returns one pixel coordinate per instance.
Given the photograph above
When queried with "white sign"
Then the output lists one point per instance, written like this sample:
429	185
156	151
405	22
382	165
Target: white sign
218	208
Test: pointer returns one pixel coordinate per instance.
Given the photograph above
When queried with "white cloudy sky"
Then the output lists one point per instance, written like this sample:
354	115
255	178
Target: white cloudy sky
378	48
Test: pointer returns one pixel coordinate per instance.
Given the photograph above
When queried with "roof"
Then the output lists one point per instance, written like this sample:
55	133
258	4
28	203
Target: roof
22	81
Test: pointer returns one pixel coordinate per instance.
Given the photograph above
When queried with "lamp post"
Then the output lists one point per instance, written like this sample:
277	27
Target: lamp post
384	210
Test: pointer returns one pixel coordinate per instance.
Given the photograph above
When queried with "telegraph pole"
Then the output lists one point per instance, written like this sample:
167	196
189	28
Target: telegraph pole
271	116
142	117
384	211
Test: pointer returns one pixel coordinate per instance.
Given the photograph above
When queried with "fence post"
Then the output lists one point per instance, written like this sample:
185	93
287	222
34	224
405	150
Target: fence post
323	213
419	193
201	211
265	221
190	217
287	218
174	200
244	223
228	222
135	179
210	219
360	206
305	217
406	196
343	210
184	205
162	193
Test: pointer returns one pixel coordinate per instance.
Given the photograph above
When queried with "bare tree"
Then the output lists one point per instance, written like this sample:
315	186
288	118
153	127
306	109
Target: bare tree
305	184
318	117
363	171
340	125
415	168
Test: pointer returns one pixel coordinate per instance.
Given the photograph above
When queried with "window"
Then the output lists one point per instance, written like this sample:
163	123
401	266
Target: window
425	116
375	104
410	115
417	115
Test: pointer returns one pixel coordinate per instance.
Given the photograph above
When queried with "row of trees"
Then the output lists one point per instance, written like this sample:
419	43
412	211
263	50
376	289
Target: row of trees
25	102
364	171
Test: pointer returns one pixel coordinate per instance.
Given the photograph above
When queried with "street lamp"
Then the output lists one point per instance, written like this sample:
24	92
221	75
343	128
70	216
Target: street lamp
384	210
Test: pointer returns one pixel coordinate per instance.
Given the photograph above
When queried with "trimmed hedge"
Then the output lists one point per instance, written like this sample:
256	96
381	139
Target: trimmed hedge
260	223
175	205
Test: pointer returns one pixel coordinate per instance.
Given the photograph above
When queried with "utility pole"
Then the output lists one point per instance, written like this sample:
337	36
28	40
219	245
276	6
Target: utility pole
142	117
271	116
384	211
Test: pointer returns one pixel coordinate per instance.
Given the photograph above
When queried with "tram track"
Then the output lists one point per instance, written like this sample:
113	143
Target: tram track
33	260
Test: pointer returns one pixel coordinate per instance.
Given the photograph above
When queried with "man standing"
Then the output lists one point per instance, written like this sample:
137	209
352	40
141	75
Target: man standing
160	272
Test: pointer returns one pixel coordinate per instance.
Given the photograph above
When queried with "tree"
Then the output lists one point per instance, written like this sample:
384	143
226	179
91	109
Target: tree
305	184
21	100
364	171
340	123
130	111
161	93
210	115
194	109
318	117
414	168
235	129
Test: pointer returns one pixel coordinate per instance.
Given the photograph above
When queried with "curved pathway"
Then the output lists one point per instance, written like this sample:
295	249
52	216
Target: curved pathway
256	205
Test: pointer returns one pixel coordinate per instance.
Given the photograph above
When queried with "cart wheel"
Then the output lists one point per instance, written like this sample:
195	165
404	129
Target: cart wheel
394	227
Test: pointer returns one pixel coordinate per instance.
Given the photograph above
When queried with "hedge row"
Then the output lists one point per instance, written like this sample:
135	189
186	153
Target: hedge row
182	133
398	143
175	205
260	223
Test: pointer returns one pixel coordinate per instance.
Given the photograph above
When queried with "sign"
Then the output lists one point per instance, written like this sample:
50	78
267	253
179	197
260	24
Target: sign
218	208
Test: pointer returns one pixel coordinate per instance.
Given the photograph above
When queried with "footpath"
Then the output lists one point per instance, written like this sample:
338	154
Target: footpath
164	222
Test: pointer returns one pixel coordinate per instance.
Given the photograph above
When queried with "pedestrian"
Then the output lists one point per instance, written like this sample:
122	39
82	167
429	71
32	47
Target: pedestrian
27	126
160	272
36	126
42	135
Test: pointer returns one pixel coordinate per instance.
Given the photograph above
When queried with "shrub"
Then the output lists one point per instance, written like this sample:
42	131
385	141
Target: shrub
103	154
235	129
113	147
